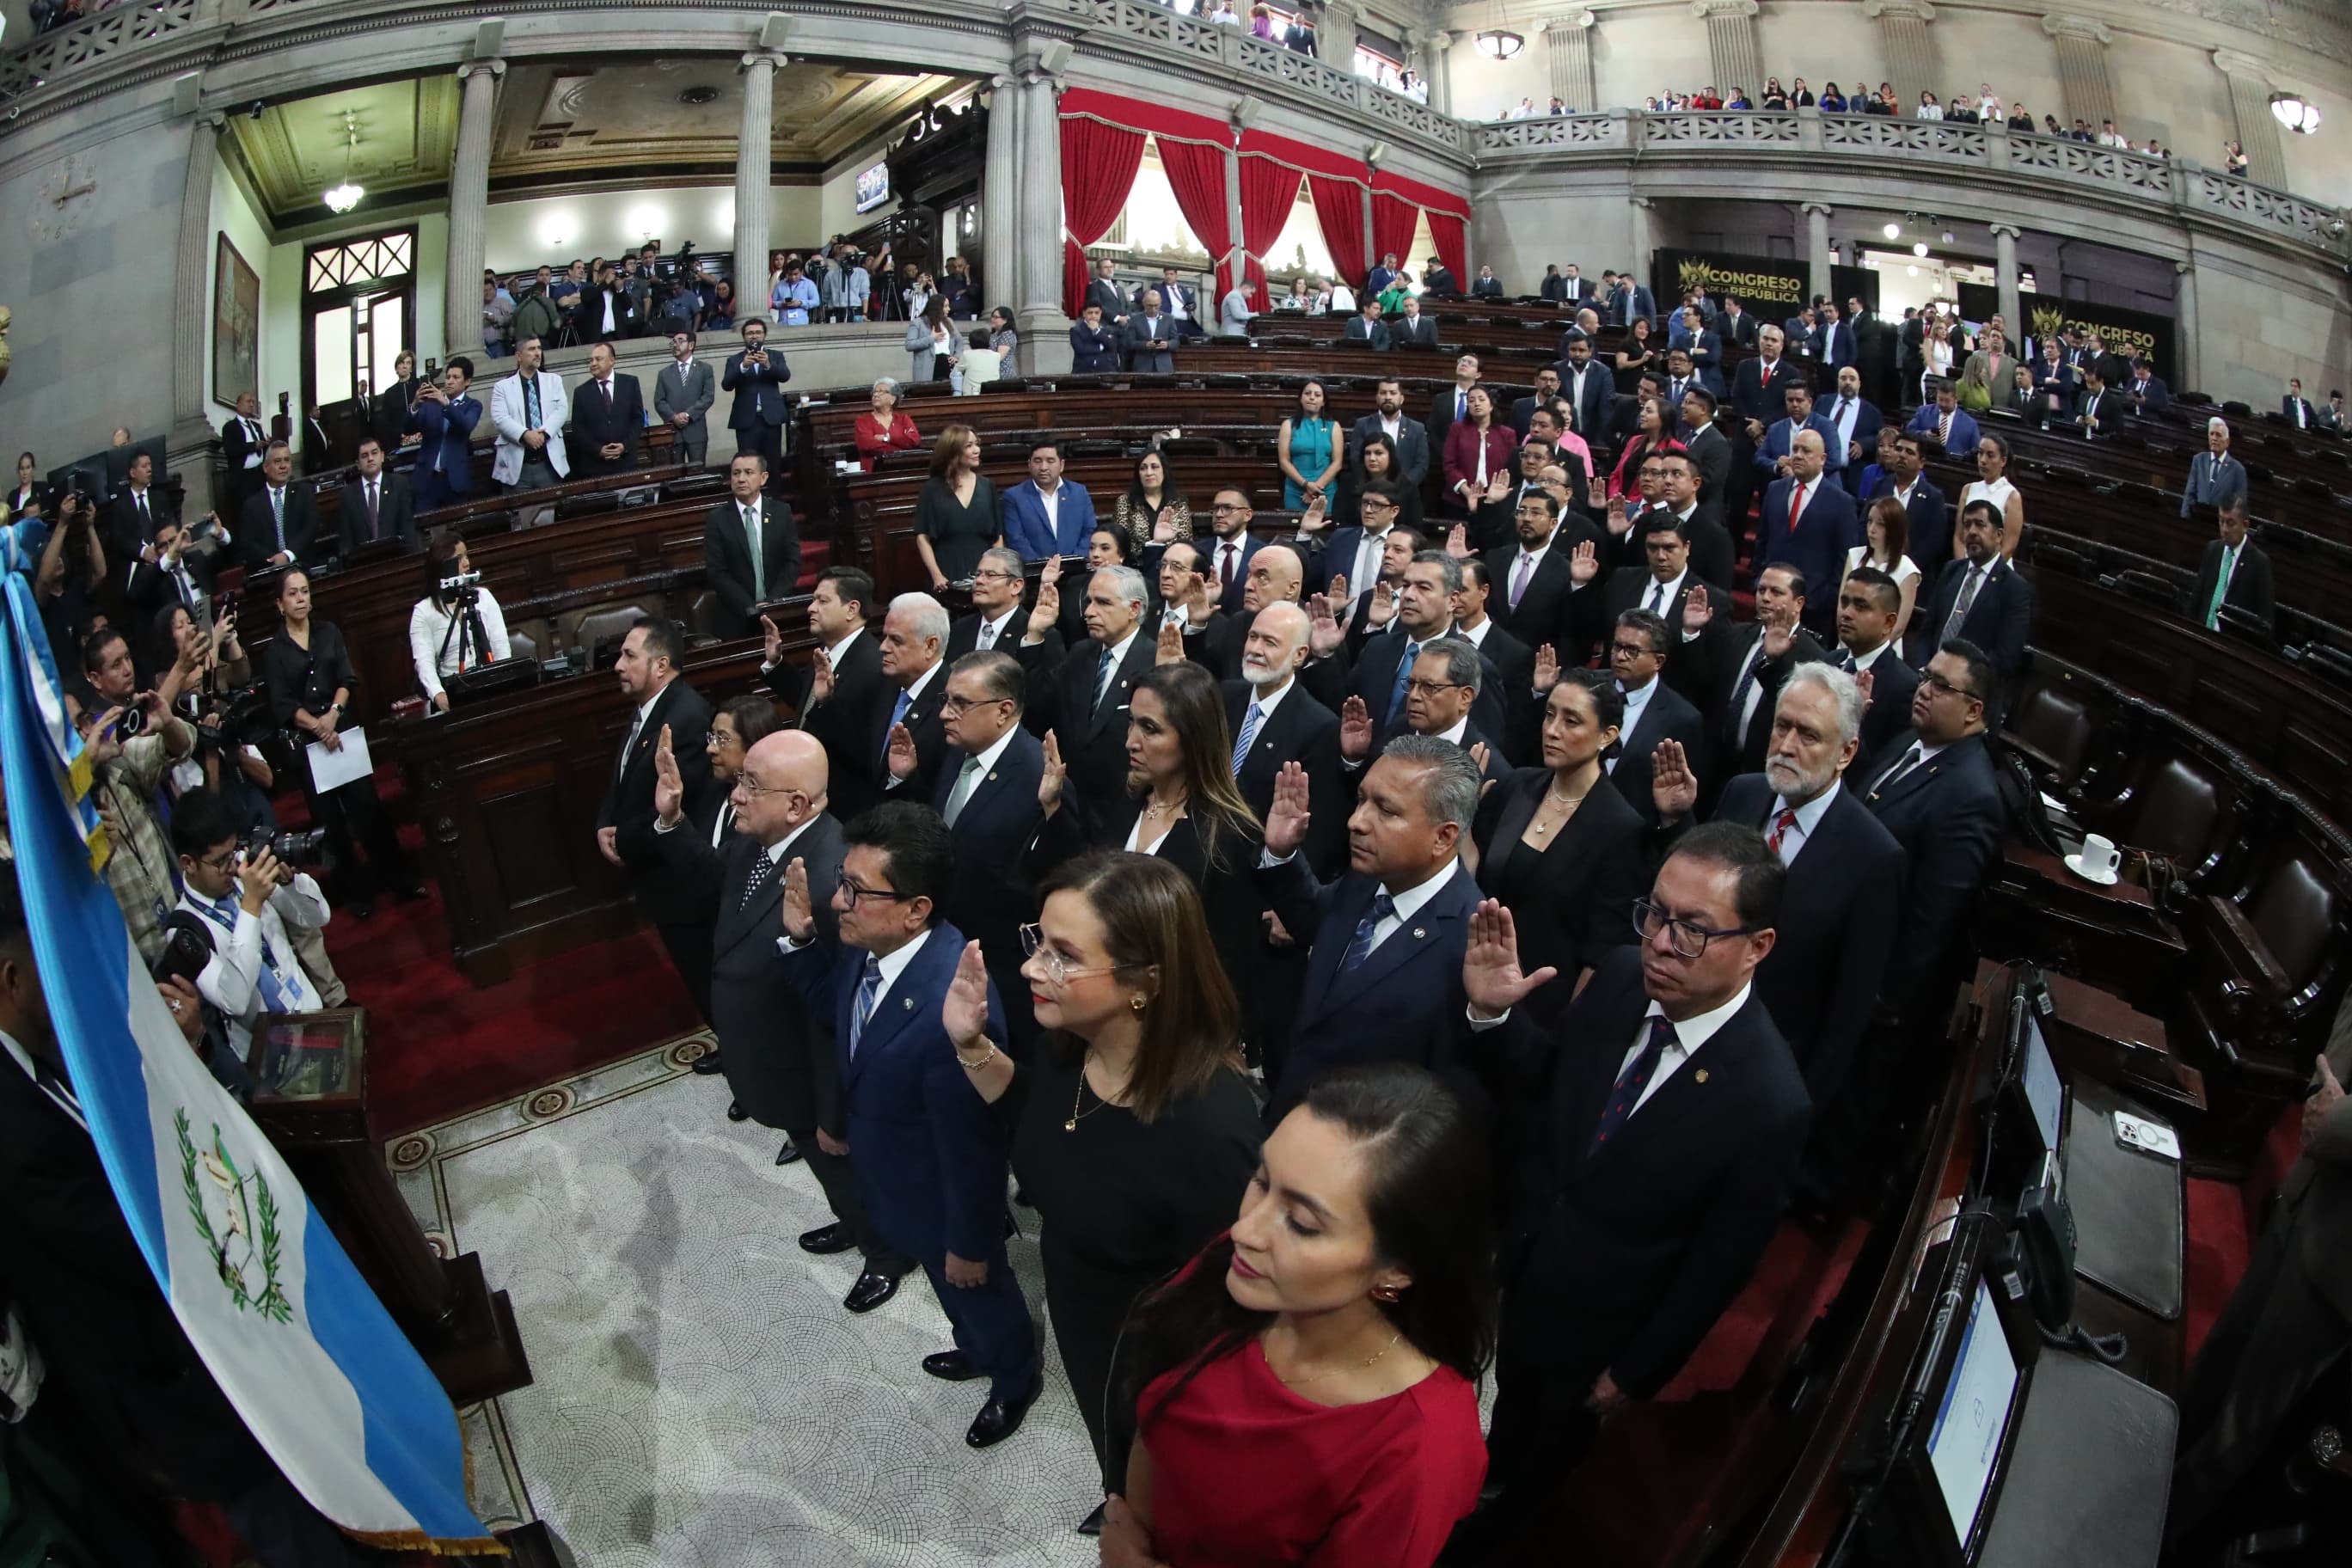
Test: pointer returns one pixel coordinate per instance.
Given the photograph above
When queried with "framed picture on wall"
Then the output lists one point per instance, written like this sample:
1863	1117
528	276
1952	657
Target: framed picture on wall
237	325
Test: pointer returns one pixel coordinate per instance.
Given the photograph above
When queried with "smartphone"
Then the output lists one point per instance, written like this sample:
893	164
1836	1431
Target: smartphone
2147	1137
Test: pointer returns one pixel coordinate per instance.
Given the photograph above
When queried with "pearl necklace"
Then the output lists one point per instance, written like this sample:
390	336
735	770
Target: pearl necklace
1572	802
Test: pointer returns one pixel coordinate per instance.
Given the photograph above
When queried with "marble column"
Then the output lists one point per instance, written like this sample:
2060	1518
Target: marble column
2187	375
1911	62
469	200
1043	327
2085	83
1732	53
1438	68
1817	245
2258	129
1000	193
1335	36
1224	278
1639	208
2004	251
754	144
191	323
1357	283
1568	47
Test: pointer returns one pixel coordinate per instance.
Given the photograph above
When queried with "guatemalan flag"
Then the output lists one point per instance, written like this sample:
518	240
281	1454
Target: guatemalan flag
301	1346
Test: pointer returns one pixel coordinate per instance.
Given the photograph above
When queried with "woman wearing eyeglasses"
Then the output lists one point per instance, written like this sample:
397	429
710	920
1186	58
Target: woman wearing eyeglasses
1134	1131
1559	846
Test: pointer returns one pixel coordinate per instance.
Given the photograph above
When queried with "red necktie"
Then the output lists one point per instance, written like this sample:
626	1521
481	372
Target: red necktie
1796	505
1781	825
1225	573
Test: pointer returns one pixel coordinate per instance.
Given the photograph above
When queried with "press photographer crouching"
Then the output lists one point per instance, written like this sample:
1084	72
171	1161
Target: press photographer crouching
242	901
307	671
457	625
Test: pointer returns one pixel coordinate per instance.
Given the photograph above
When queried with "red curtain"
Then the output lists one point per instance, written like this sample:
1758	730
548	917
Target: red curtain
1269	191
1196	173
1453	247
1393	221
1098	165
1340	214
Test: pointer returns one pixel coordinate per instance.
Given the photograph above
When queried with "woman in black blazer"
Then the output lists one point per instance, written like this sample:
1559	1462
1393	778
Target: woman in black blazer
1560	846
1180	805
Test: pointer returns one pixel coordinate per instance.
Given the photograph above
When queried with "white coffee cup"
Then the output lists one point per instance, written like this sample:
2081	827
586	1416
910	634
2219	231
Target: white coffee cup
2098	857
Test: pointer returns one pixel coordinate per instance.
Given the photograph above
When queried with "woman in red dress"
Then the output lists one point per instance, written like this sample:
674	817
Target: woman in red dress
1308	1382
884	429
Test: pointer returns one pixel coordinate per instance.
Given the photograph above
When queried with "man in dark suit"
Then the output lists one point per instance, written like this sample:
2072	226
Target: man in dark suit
1410	436
650	671
778	1056
997	622
1453	403
1760	388
1734	325
1180	300
1102	289
135	509
244	441
280	525
1743	667
683	394
1980	598
1083	700
1808	523
1512	660
1450	688
986	792
165	572
1386	939
1094	347
1856	423
1148	336
1709	448
1224	556
756	375
1586	384
1869	603
1664	1119
375	505
908	731
2146	391
836	696
1641	646
443	416
1700	518
750	550
929	1157
1772	460
2296	407
2214	476
1537	579
1930	514
1836	343
1934	790
1382	669
608	419
1366	327
1410	329
2233	572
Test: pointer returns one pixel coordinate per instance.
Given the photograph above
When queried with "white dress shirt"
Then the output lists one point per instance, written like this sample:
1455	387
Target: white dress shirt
1365	570
1690	1035
245	944
1808	818
437	653
1636	699
990	633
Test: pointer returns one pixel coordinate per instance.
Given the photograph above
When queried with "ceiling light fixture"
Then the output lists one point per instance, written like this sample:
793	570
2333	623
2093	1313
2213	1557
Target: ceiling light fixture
2295	112
1919	249
343	198
1499	42
1894	231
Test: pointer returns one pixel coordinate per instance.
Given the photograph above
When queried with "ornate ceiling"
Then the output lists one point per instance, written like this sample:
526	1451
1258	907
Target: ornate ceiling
566	126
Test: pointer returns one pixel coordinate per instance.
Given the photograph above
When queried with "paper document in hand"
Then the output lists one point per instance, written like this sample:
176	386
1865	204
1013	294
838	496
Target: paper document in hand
332	770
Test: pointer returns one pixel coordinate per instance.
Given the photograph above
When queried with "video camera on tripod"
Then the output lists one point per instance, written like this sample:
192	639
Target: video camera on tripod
461	591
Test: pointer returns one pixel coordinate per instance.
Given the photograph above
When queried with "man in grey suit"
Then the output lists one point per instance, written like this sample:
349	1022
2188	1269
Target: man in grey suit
779	1060
1148	336
683	394
2215	478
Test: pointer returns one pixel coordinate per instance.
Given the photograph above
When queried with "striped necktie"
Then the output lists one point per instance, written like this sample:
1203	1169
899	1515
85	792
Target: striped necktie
1242	742
1633	1080
870	992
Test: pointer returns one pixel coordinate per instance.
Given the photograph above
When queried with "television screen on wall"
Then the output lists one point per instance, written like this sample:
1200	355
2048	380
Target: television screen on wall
873	187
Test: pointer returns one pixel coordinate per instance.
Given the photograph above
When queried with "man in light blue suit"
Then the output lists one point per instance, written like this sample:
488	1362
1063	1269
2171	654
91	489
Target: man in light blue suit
1045	514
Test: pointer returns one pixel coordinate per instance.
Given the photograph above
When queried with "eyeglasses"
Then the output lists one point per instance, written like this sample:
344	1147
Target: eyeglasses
1940	684
1032	945
721	737
1416	687
951	703
1223	510
852	891
751	785
1628	649
223	863
1689	938
995	576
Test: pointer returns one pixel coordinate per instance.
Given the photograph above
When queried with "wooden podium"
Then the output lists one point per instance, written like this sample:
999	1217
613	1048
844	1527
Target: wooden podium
309	1095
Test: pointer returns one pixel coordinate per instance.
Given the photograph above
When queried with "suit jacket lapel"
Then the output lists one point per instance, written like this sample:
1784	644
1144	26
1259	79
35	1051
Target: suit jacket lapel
1701	1077
1518	809
1410	939
737	919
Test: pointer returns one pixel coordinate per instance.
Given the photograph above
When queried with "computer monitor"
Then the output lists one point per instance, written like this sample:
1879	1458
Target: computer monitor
2027	1117
1965	1440
2045	1090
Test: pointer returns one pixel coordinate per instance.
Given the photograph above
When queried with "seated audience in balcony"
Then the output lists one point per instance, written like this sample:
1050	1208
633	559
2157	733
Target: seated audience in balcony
1094	346
957	516
1800	95
1299	39
1961	109
883	428
1928	108
1153	511
2021	119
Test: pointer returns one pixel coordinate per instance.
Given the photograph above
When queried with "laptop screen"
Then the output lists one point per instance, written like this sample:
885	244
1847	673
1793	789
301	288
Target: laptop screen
1965	1442
2044	1089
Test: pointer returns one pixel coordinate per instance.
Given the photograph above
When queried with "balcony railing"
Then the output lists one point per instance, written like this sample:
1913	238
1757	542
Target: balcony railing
2183	189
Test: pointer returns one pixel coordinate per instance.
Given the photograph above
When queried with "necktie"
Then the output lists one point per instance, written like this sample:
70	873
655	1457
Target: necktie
1780	826
1396	689
1911	759
723	825
1359	946
1632	1081
146	518
1745	695
987	635
629	745
759	556
763	871
187	588
897	715
277	514
530	403
374	532
1796	505
1102	678
1944	431
1242	742
2221	588
1225	554
1657	599
1968	597
966	780
1845	660
870	992
1519	578
1461	403
605	387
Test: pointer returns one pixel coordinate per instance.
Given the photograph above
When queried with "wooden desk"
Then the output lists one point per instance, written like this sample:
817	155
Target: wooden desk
2115	937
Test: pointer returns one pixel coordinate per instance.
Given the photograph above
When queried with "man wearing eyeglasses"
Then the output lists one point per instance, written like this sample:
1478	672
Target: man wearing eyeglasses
997	621
928	1156
1676	1117
986	792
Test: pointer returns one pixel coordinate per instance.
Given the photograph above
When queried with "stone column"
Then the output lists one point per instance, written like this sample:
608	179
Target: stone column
1567	44
754	140
1817	245
1335	36
1000	194
469	198
1370	260
1044	330
2187	375
192	319
2088	90
1224	278
1640	206
2258	130
1911	57
1731	49
1439	70
2004	250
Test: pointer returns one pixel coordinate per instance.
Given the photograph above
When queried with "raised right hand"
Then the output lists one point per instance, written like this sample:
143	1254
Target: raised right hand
670	790
1048	610
1170	646
1317	514
1324	632
1547	669
1674	788
1384	606
1287	818
800	919
1457	543
771	641
1355	730
1697	610
1620	524
1490	964
964	1014
820	679
1052	776
1584	563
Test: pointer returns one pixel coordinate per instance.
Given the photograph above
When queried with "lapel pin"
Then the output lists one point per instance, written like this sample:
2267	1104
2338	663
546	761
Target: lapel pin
1419	932
1702	1075
991	778
907	1002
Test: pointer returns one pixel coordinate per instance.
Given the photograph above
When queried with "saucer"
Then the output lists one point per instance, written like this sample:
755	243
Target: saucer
2074	864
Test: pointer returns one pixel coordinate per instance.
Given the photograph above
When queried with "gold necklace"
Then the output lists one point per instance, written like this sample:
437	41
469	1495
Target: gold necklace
1570	802
1077	1099
1326	1371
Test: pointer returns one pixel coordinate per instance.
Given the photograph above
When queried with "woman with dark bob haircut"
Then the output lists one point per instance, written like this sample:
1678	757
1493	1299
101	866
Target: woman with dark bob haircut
1307	1383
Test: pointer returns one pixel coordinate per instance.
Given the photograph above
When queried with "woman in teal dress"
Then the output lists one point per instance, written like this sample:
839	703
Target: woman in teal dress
1310	449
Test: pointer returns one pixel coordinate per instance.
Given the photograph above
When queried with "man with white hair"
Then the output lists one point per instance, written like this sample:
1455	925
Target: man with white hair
2215	478
903	748
1080	703
1837	929
1274	720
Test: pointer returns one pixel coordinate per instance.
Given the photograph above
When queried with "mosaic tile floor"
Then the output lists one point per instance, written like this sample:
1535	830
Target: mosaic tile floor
702	1400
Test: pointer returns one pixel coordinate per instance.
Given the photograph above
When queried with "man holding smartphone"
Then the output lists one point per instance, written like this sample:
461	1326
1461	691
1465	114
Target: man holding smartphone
756	376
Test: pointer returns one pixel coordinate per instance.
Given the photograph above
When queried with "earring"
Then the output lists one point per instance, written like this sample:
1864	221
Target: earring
1388	1293
1138	1002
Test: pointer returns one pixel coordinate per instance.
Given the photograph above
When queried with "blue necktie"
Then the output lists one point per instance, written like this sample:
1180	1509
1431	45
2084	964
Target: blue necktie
898	714
274	997
1360	947
870	992
1102	679
1241	744
1396	687
1633	1080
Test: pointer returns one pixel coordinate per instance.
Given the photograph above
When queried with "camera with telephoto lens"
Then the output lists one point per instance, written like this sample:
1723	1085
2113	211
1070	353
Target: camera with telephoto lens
305	849
244	720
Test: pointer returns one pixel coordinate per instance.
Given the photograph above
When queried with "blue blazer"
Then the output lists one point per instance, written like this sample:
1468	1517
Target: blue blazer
1093	351
1021	511
929	1157
448	438
1778	434
1827	527
1400	1003
1964	427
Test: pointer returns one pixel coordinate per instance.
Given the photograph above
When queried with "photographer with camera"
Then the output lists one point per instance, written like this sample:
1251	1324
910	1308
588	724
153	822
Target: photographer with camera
134	740
457	625
244	899
167	576
71	574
